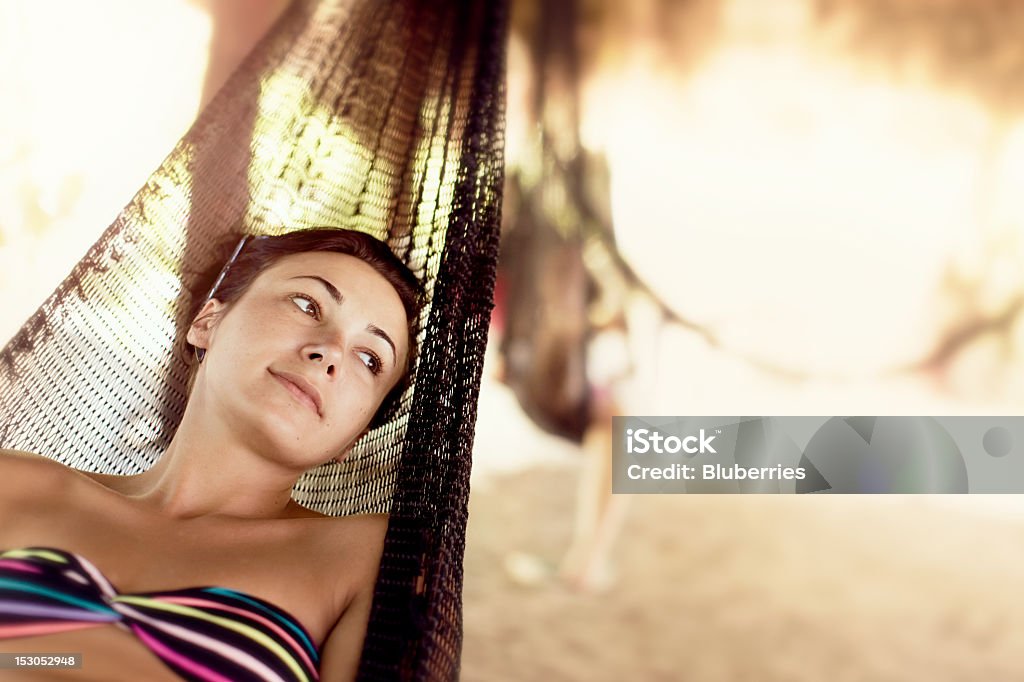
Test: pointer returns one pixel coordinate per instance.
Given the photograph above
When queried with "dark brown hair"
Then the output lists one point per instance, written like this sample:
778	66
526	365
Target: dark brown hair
259	253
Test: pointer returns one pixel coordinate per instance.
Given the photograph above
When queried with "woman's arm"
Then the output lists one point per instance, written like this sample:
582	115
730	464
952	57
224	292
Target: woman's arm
343	647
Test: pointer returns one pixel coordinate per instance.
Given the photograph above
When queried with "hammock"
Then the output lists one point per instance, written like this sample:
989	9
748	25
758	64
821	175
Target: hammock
380	116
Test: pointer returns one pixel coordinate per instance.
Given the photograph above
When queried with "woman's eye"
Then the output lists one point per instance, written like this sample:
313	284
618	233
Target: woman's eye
371	361
307	305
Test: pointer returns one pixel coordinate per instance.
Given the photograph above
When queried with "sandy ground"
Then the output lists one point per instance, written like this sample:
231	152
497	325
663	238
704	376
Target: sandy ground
755	588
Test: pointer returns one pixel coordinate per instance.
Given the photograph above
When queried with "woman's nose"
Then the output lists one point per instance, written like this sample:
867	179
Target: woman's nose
318	357
327	356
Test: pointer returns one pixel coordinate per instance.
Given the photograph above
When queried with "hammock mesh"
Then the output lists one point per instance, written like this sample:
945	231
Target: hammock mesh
384	117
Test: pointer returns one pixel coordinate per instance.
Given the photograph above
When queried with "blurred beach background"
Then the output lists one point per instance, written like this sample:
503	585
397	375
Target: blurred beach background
820	202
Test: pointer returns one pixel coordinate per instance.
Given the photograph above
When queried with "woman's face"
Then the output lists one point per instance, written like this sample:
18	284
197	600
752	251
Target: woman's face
299	364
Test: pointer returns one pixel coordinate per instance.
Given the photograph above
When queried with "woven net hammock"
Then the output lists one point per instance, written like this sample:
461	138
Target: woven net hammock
384	117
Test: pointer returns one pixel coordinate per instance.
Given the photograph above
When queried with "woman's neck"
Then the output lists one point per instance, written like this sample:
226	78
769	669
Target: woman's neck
207	471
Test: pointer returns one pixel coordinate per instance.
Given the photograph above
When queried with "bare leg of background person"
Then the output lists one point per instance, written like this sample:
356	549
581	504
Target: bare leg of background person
624	375
587	565
599	516
627	374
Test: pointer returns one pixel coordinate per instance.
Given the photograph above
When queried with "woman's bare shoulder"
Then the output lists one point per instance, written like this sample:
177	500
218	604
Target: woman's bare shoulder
20	454
352	546
27	473
355	542
362	529
368	521
17	462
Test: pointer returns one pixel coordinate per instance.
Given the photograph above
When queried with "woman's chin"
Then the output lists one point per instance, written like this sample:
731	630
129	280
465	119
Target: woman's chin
292	441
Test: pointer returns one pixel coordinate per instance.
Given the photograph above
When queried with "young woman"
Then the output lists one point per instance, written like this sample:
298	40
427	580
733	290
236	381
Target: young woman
203	567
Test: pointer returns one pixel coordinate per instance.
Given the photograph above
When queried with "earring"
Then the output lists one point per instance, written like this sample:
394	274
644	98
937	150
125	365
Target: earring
200	353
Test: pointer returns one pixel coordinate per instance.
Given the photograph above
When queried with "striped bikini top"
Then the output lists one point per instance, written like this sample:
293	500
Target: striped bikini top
205	634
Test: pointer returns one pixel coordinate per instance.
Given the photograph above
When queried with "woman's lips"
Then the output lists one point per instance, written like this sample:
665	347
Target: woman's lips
302	390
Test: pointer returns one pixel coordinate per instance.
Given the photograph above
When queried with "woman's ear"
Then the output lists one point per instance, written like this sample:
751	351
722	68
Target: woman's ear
201	329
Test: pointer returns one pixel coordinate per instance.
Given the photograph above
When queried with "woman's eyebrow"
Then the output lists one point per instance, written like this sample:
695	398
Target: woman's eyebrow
331	289
377	331
338	298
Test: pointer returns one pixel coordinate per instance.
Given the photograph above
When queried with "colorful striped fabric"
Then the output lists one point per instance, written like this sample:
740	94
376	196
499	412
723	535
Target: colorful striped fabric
205	634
